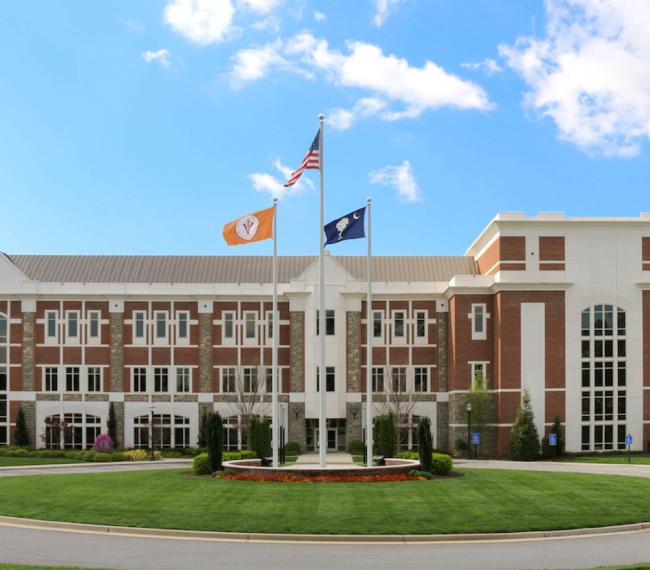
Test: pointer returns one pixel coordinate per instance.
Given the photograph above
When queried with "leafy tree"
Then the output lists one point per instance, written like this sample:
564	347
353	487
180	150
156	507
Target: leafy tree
524	440
111	424
385	435
425	444
21	435
202	428
259	435
214	440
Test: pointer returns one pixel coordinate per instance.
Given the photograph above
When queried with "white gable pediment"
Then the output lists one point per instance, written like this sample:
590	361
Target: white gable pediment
335	273
11	278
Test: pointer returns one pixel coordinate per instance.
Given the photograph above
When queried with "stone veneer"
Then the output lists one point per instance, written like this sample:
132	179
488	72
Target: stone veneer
205	352
117	352
28	351
442	408
297	429
297	356
353	351
353	427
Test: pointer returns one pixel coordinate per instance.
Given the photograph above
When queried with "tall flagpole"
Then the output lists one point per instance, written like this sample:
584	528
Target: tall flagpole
274	332
322	376
369	333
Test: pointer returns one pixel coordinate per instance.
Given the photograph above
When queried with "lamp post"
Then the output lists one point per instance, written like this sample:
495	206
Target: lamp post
151	446
468	407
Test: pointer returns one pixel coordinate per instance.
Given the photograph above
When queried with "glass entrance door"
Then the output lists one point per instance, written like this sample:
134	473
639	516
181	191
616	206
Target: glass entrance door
332	439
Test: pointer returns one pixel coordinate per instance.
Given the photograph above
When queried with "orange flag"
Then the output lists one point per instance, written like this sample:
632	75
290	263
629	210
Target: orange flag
251	227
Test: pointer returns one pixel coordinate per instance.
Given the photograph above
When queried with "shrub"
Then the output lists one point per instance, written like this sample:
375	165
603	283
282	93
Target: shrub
524	440
408	455
420	474
111	424
78	455
19	453
356	447
385	435
102	457
214	440
460	446
201	464
425	445
441	464
140	455
21	435
103	443
117	456
236	455
292	448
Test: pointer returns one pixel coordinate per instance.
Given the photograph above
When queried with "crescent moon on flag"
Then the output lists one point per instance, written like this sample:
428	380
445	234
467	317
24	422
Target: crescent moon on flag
355	216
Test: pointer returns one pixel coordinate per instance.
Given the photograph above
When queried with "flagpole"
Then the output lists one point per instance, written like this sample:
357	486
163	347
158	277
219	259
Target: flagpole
322	375
369	333
274	332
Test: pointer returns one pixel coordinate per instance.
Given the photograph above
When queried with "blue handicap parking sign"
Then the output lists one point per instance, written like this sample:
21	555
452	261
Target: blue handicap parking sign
552	439
476	438
628	439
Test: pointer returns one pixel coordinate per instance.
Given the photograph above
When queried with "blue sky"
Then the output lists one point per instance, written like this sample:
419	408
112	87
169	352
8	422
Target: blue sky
142	127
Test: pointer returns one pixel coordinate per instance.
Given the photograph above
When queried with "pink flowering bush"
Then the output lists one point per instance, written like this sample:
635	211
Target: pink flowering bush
103	443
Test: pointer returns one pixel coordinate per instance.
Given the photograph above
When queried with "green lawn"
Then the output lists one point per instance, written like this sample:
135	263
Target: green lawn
637	458
481	501
29	567
27	461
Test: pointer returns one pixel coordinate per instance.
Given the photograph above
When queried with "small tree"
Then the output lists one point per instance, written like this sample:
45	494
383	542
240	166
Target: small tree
111	424
524	440
202	428
558	448
425	444
214	440
259	435
385	435
103	443
21	435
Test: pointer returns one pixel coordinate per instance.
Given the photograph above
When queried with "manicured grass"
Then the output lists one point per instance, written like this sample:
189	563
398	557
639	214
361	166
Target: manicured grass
615	458
29	567
481	501
27	461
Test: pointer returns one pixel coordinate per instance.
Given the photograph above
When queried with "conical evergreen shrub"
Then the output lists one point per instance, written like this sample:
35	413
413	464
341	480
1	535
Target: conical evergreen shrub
524	440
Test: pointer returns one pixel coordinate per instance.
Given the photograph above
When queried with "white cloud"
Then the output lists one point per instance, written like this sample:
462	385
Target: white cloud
401	177
397	89
269	24
162	56
590	72
383	8
343	119
488	65
260	6
319	16
265	182
203	22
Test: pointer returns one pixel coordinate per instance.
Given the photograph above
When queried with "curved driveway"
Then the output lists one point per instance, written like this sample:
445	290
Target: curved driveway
73	548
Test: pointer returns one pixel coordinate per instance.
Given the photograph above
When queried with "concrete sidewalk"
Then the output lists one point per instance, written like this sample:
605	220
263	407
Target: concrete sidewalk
89	467
334	461
558	467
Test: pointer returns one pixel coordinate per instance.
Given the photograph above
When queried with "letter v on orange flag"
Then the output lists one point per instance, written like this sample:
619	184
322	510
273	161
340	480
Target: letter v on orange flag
257	226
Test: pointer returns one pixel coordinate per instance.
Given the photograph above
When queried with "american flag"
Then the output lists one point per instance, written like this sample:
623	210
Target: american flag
310	162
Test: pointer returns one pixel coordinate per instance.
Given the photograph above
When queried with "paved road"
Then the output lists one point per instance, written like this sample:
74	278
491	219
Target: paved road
559	467
93	467
18	545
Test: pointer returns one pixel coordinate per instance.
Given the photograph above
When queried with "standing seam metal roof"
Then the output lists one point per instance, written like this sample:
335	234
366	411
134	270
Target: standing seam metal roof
229	268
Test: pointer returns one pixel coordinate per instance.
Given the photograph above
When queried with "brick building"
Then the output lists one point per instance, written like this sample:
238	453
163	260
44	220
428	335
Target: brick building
559	306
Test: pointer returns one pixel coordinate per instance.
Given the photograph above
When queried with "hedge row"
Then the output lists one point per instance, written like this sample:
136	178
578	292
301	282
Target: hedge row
201	463
442	463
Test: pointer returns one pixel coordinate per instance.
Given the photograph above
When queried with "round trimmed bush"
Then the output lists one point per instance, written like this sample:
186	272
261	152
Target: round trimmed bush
406	454
441	464
201	464
292	448
356	447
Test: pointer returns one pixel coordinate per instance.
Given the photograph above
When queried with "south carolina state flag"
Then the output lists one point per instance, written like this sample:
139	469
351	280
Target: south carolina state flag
350	226
249	228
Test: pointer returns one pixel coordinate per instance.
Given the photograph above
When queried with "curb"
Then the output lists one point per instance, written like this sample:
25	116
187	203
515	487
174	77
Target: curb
314	538
91	464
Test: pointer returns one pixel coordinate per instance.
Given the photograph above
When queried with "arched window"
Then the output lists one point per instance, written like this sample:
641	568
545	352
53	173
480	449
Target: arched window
168	431
604	378
4	356
72	431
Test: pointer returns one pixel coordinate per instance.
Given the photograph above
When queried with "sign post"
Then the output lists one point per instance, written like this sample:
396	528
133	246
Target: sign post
476	440
552	442
628	442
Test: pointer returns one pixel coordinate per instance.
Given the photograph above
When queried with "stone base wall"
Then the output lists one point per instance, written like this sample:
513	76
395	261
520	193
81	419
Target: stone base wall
297	431
442	427
29	409
353	427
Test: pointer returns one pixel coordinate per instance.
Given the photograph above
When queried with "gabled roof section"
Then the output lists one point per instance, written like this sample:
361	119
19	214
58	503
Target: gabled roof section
228	268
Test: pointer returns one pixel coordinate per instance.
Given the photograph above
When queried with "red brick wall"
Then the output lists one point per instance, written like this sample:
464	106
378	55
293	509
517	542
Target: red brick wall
507	249
551	253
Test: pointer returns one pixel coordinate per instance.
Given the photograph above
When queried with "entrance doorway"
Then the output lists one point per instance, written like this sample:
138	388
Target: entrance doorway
335	434
332	439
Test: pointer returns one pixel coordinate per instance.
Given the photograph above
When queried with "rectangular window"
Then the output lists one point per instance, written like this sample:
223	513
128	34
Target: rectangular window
72	328
377	379
330	379
94	379
398	323
160	380
161	326
421	379
182	332
269	380
478	373
3	409
72	379
398	377
3	379
250	325
140	379
93	327
329	322
421	325
138	326
377	325
229	326
269	325
183	380
250	381
478	317
228	380
51	327
3	330
51	379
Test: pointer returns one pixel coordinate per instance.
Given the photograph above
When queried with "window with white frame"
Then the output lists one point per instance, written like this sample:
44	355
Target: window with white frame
72	327
250	327
161	327
164	432
269	326
51	379
94	376
183	379
182	327
421	379
231	433
72	431
268	371
72	376
161	379
479	316
399	326
228	327
139	379
478	374
251	383
93	330
228	380
51	327
398	379
421	326
139	329
330	379
378	379
330	322
378	327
